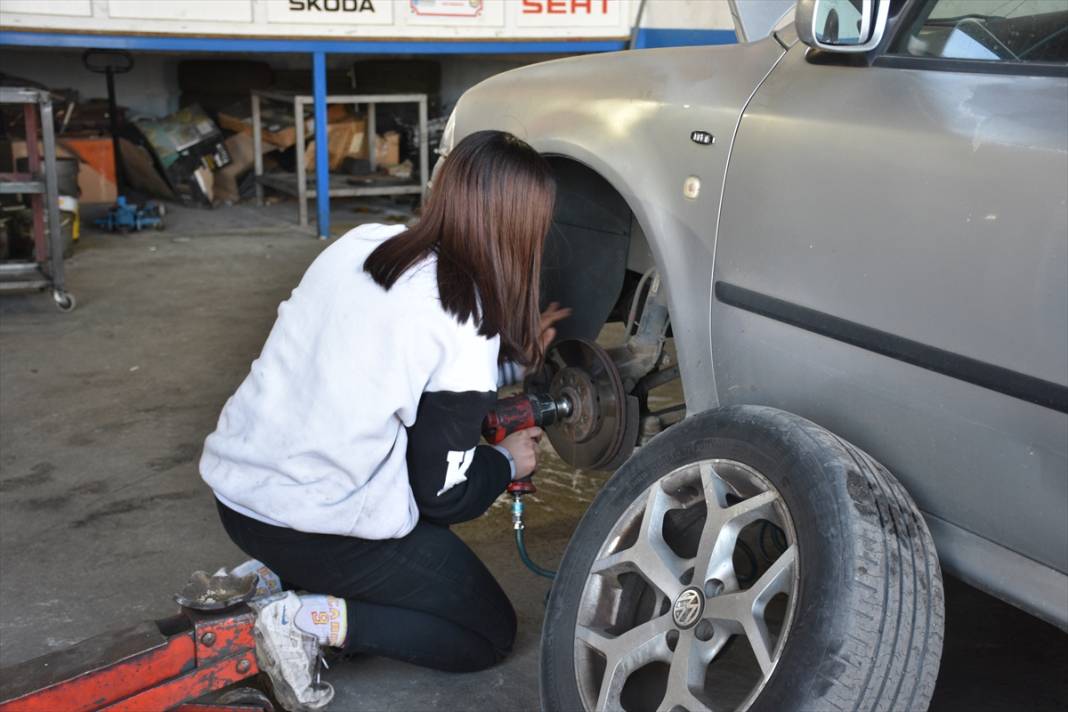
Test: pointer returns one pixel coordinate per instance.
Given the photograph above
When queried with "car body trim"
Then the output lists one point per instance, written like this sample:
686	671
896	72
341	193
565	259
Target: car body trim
1027	584
976	66
986	375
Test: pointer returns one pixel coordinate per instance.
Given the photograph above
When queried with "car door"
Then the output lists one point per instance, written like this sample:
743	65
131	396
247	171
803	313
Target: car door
892	262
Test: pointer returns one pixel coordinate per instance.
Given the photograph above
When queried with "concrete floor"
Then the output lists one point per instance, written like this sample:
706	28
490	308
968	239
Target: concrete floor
102	514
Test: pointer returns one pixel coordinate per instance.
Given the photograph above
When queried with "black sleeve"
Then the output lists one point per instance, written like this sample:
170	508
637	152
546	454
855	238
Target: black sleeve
453	478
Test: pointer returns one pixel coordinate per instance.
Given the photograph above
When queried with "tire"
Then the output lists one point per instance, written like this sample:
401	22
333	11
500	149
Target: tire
858	617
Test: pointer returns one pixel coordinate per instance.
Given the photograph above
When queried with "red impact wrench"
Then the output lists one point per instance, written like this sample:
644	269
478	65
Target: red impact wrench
510	415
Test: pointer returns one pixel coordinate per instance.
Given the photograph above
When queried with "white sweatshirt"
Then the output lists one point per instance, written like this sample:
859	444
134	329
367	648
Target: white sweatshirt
363	410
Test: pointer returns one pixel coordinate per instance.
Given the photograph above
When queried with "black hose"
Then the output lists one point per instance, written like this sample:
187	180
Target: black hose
525	557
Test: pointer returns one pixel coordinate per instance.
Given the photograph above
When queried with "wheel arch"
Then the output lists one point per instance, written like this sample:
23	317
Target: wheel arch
595	239
656	237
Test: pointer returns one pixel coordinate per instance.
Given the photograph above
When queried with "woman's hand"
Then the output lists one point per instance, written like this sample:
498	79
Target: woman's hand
552	314
523	446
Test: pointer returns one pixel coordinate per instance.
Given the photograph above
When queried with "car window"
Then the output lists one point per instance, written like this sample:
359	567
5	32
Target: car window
990	30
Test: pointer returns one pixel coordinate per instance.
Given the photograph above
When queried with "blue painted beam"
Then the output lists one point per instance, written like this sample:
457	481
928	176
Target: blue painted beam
647	37
331	46
322	161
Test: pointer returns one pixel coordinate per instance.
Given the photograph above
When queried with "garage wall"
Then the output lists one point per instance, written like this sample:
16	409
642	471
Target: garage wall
150	88
458	72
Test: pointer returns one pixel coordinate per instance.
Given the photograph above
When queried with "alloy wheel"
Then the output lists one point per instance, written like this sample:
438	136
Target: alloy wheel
689	600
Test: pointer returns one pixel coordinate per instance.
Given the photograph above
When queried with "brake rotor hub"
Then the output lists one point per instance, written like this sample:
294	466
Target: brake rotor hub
601	428
575	386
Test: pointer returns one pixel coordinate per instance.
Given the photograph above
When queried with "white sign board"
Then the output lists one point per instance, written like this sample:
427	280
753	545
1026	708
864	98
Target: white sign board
409	20
457	13
211	10
330	12
75	8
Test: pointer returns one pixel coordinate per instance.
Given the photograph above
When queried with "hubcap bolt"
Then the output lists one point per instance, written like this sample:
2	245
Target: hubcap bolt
208	639
713	587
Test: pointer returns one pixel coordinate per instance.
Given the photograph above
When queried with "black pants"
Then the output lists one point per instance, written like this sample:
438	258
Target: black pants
424	599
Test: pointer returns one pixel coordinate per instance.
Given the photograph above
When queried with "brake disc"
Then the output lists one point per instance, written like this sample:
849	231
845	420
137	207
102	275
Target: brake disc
602	426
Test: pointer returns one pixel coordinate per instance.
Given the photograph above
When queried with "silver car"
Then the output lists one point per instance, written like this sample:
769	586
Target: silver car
856	232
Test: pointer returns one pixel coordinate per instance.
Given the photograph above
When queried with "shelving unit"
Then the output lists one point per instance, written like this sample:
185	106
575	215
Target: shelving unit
297	184
46	267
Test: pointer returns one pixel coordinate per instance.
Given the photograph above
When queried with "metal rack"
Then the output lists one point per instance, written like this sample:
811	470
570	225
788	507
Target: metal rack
297	184
46	269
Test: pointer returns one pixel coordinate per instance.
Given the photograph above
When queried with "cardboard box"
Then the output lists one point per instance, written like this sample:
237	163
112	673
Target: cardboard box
227	179
96	175
95	187
343	139
387	149
277	123
97	151
96	165
141	171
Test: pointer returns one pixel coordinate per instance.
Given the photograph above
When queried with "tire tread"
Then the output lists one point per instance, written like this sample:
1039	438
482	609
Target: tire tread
917	650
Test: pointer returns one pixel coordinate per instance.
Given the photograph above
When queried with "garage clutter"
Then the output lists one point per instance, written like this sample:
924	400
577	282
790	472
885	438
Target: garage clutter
202	155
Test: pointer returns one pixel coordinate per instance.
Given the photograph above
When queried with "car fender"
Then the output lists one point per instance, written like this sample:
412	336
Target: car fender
630	117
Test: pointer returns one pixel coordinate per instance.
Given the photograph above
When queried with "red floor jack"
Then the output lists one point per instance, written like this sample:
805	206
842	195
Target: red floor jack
177	663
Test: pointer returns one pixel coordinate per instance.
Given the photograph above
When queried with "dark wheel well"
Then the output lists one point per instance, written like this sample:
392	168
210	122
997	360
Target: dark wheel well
585	263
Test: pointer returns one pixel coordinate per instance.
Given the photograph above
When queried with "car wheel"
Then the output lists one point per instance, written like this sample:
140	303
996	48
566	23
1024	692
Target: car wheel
746	559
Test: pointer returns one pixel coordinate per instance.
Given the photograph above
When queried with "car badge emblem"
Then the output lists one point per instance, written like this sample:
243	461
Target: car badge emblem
688	608
702	137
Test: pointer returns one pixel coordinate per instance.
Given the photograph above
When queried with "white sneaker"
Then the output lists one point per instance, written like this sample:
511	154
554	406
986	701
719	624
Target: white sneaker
288	655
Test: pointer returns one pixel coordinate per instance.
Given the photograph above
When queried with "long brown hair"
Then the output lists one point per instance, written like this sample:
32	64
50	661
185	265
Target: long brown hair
486	218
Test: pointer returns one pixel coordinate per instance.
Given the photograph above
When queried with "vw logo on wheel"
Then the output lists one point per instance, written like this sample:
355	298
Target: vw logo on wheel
688	608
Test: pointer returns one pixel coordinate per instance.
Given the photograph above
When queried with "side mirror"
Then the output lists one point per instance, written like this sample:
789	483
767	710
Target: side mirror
842	25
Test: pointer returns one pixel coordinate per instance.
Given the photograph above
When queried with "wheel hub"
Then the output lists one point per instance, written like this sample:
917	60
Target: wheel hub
575	385
601	428
688	608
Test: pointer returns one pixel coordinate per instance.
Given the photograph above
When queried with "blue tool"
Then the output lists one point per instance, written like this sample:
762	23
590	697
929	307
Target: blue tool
125	217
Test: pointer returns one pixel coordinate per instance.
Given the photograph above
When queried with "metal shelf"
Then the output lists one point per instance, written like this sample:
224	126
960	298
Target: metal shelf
8	187
14	268
339	186
298	184
41	184
19	276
